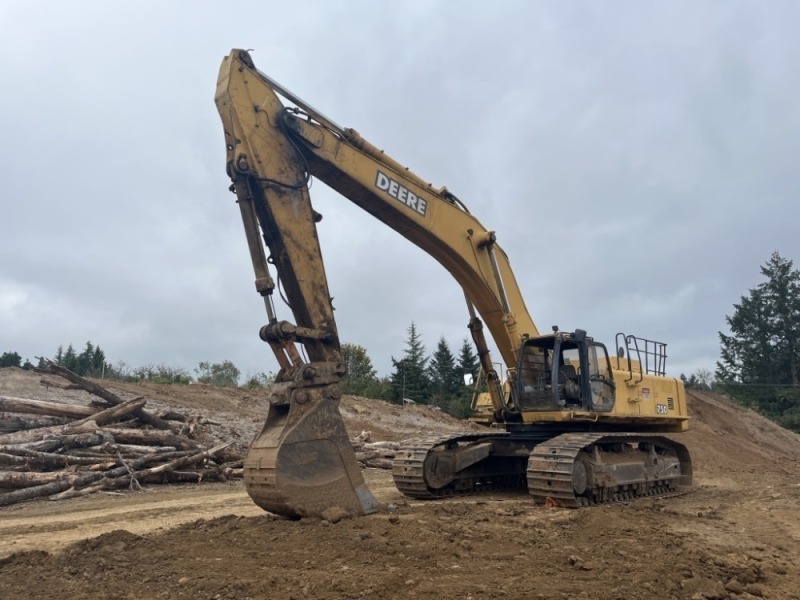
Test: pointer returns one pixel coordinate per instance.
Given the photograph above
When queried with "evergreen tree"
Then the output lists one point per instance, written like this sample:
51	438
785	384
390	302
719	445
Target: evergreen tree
85	359
89	363
445	382
10	359
409	379
760	358
690	383
467	362
70	359
764	345
98	361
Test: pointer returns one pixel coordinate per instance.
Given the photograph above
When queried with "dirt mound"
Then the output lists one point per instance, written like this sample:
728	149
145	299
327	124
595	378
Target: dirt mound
735	535
726	438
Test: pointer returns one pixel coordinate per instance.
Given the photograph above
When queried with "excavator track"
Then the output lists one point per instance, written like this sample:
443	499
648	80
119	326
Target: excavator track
584	469
424	467
570	470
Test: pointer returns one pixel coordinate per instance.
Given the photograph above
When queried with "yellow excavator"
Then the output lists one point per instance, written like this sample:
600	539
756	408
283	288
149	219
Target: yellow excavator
573	424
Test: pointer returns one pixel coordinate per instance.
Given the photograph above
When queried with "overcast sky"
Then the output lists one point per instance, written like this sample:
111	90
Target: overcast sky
638	161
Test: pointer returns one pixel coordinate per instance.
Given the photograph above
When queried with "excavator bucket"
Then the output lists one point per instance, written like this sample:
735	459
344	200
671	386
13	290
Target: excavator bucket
302	463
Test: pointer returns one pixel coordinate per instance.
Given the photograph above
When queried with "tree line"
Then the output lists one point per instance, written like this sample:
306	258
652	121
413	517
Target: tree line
436	380
91	362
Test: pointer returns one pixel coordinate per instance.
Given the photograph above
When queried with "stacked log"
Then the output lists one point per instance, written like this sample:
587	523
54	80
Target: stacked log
377	455
57	450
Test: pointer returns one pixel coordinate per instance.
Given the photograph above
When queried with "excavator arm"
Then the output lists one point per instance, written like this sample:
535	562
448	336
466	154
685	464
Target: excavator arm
303	454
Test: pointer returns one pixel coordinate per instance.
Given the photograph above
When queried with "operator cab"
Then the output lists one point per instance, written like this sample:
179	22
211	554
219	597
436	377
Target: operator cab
563	371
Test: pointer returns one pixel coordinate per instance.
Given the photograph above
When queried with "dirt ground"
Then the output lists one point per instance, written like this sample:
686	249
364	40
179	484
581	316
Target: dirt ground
736	534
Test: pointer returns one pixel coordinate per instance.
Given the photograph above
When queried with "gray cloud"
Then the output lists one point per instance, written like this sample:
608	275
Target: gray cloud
636	161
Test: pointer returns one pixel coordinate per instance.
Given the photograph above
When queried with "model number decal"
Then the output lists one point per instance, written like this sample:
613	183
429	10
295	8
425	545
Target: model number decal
662	409
401	193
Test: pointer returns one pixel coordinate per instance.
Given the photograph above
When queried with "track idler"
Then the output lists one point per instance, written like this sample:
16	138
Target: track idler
302	463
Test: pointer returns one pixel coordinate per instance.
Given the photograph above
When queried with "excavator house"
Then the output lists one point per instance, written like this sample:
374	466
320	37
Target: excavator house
573	424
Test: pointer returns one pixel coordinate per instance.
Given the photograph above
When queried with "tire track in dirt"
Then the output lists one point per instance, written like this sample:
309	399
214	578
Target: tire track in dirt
35	528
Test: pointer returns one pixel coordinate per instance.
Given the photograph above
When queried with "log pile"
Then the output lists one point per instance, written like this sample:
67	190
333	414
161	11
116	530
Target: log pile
57	450
378	455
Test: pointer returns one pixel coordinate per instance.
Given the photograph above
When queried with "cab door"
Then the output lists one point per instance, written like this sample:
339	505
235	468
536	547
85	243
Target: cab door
601	382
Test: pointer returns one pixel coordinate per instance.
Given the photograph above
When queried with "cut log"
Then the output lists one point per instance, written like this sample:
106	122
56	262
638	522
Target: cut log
39	407
30	435
75	493
117	413
11	459
171	415
86	424
16	480
361	439
111	448
93	453
176	477
363	456
80	440
82	480
153	473
150	437
129	423
367	454
109	397
103	466
12	424
119	478
395	446
185	461
139	449
53	461
379	463
42	446
47	383
109	415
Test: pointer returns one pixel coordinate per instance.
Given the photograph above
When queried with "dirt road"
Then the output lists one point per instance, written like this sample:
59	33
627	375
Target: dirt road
51	526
